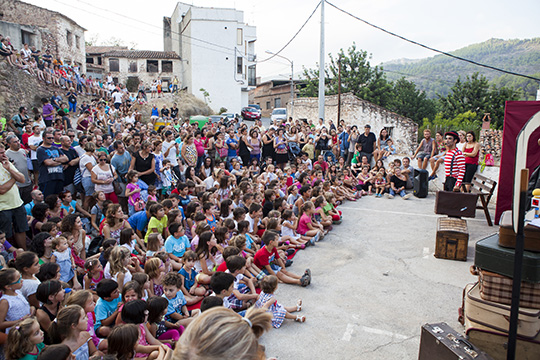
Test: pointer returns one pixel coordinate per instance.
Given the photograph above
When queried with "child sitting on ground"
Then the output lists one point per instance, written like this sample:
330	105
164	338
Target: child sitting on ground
177	311
267	301
106	307
244	293
267	259
190	288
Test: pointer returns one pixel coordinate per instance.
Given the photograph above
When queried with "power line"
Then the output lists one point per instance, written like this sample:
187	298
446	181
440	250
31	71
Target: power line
430	48
298	32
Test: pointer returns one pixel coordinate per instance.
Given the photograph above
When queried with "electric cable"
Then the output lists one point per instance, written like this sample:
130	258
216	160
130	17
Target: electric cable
430	48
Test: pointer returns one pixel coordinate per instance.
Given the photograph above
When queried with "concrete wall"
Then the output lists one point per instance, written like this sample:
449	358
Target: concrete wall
67	48
14	31
209	67
356	111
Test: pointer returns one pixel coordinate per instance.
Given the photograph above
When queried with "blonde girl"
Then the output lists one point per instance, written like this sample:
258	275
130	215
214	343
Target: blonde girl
85	299
13	305
155	244
225	335
63	257
266	301
154	269
70	329
25	340
118	263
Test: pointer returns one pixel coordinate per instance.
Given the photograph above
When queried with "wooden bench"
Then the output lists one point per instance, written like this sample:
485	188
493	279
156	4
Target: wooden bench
484	187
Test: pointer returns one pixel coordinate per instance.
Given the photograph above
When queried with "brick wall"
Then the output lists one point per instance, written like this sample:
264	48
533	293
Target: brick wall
355	111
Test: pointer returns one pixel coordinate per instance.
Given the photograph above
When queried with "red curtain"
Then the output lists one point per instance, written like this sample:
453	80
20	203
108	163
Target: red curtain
516	115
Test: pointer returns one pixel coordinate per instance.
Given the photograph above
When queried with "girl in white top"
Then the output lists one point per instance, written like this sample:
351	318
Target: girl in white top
28	265
13	305
207	248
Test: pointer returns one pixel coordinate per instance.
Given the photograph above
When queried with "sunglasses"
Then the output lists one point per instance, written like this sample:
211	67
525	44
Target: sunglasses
49	138
18	281
102	159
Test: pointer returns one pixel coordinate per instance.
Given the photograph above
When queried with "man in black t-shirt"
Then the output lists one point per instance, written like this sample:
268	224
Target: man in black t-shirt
71	166
368	141
174	111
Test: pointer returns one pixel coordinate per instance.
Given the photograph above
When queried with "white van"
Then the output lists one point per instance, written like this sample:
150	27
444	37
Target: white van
278	114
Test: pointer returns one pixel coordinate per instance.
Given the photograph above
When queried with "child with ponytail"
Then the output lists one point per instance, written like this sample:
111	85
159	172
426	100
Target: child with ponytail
25	340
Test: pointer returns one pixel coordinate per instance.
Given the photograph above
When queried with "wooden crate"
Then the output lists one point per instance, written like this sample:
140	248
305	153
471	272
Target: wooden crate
452	239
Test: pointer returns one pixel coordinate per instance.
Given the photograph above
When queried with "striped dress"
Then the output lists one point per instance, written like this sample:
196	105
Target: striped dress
278	311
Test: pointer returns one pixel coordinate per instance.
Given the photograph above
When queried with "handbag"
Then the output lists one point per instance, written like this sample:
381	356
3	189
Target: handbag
139	205
116	186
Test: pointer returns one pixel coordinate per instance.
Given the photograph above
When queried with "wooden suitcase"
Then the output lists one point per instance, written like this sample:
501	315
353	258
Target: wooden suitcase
456	204
498	288
452	239
495	344
439	341
492	316
490	256
507	236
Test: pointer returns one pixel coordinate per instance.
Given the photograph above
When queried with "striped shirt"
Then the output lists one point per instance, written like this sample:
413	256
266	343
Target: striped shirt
458	168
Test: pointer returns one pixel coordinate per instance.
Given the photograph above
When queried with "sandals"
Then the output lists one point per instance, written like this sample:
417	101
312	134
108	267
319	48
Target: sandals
299	305
300	318
305	280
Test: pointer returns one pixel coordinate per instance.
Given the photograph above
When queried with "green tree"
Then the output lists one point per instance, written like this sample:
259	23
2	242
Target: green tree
357	76
475	95
409	101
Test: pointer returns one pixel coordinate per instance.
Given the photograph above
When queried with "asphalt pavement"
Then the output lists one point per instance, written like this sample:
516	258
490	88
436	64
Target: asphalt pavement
375	282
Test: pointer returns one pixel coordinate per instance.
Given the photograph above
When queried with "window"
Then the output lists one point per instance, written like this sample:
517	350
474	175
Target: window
114	65
133	66
152	66
239	36
99	60
89	60
252	76
69	38
28	38
239	66
166	66
389	129
77	42
277	102
268	106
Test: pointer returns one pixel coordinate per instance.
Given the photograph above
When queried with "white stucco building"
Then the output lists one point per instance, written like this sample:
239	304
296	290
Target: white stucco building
218	53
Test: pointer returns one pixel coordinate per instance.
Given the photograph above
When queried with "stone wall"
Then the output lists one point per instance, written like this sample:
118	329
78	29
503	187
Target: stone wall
491	143
64	37
355	111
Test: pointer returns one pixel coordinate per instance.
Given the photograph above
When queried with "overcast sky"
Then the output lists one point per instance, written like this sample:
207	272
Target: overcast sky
446	25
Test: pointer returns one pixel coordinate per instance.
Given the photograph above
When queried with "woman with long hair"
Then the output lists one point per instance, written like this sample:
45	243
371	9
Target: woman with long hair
471	151
103	175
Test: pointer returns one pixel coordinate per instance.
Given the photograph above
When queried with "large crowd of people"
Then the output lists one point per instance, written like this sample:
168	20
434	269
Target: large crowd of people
128	235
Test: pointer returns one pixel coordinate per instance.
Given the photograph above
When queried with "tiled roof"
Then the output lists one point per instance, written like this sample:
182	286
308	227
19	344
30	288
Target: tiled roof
142	54
103	49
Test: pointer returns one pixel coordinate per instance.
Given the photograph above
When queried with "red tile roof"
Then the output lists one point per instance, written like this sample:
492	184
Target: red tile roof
142	54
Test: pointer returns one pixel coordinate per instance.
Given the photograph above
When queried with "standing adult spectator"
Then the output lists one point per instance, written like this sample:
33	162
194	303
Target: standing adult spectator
19	158
47	112
71	166
243	147
72	100
33	143
144	162
86	164
50	161
16	123
471	151
117	97
103	176
171	150
232	145
344	141
121	160
175	84
381	142
353	139
37	197
268	144
454	163
189	151
368	141
12	213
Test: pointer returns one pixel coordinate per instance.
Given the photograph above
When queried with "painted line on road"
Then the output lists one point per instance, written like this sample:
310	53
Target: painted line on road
383	332
348	333
425	253
399	212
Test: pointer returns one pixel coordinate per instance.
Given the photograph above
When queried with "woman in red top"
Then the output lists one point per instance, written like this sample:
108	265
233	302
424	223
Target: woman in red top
471	151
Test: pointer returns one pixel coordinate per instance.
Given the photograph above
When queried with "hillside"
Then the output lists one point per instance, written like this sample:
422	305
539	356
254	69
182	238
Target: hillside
435	75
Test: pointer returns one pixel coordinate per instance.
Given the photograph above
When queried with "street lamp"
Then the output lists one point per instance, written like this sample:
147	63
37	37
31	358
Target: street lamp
292	78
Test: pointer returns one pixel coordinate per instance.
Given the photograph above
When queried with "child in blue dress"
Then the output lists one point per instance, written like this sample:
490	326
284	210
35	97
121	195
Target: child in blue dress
62	256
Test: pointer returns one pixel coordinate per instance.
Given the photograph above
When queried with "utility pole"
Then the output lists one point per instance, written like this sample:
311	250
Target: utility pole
339	92
321	66
292	89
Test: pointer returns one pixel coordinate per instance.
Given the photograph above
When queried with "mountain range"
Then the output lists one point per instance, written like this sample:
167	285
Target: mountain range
437	74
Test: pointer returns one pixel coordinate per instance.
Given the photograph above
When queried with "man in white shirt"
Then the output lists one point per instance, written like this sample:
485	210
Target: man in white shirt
33	144
117	96
170	149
